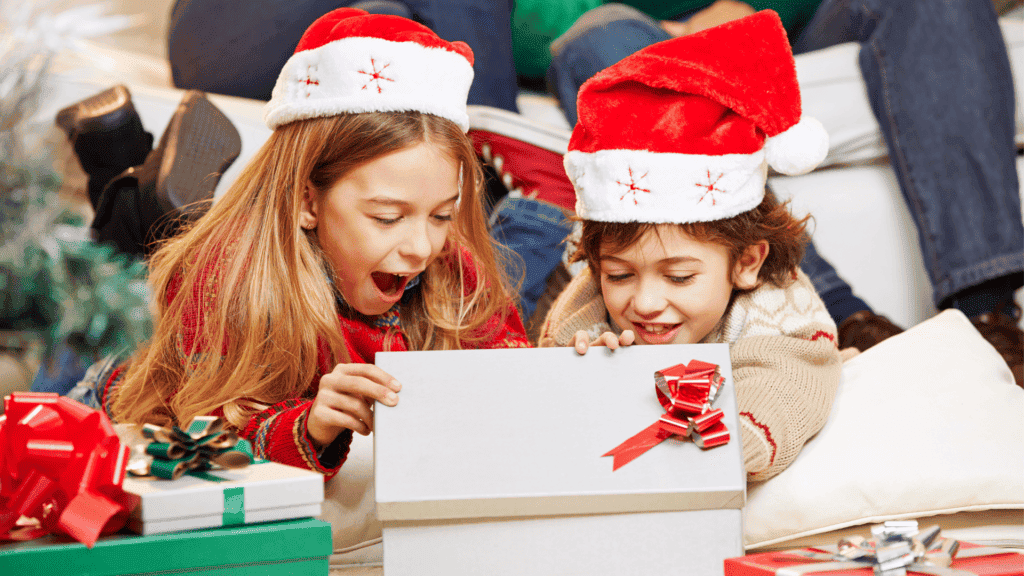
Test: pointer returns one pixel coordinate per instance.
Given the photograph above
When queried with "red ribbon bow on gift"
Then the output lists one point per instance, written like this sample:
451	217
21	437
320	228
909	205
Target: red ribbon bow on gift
62	464
686	392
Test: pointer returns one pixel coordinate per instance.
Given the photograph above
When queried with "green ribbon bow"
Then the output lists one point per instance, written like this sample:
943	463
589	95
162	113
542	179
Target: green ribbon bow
205	444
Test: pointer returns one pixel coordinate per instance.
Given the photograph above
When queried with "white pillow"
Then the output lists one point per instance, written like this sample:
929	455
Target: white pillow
350	507
928	422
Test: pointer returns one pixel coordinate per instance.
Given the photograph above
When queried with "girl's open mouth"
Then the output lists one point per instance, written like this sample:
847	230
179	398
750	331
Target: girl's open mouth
390	286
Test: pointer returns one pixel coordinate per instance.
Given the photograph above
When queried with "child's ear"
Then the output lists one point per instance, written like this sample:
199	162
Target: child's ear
744	272
309	208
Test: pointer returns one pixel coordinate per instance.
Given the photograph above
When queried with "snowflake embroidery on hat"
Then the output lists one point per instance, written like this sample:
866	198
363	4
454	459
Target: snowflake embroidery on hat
632	187
376	76
310	80
709	187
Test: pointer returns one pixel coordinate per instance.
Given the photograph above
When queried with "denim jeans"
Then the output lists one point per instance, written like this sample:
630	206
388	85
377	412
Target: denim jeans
532	233
238	47
939	80
61	370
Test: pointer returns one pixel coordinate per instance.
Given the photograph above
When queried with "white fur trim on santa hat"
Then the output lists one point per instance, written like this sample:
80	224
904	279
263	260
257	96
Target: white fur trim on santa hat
799	149
360	74
658	187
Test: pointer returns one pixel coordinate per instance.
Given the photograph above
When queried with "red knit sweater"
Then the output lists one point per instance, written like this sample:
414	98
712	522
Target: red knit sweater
279	433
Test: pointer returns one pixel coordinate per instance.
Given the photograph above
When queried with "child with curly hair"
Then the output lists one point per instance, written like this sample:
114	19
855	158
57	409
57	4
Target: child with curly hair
684	243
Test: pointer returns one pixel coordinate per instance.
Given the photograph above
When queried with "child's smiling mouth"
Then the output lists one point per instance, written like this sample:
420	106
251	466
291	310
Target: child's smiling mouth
656	333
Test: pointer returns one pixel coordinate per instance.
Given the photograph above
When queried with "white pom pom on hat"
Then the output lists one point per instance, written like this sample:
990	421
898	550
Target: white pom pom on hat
799	149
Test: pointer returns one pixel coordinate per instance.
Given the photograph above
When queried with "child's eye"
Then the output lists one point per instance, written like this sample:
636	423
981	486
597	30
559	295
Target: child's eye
618	277
680	279
387	221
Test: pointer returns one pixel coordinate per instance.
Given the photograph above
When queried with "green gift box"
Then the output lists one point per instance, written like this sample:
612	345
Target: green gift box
292	548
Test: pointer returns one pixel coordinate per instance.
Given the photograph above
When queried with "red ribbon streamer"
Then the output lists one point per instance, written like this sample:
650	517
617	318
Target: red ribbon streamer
686	392
62	464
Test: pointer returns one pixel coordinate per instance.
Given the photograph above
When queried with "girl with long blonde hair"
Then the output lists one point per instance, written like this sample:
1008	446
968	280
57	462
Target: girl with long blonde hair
356	228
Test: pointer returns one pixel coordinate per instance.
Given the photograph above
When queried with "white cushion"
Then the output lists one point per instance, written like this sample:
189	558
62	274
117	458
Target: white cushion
928	422
350	507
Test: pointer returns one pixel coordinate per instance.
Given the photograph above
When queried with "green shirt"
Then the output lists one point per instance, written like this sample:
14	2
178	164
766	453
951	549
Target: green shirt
536	23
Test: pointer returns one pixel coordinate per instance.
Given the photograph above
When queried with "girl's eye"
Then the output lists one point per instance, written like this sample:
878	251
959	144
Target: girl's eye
680	279
443	217
387	221
618	277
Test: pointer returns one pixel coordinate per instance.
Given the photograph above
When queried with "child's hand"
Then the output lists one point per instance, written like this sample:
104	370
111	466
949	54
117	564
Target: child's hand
345	400
582	341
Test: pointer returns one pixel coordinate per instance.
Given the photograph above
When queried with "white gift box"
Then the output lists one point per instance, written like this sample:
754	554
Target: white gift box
491	463
260	492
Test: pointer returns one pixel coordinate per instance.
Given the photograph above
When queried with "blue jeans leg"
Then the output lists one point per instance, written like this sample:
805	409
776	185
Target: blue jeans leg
822	274
599	38
532	234
68	367
939	81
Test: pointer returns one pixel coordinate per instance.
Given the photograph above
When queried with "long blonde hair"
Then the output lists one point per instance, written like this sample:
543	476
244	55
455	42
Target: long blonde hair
258	284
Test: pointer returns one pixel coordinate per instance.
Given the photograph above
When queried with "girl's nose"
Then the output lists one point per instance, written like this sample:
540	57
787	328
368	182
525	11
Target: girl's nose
417	243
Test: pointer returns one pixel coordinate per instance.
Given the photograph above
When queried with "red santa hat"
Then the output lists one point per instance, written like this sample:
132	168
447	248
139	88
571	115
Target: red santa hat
684	130
349	61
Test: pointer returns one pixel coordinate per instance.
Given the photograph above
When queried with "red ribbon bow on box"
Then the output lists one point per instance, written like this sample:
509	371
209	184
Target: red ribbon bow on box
62	464
686	392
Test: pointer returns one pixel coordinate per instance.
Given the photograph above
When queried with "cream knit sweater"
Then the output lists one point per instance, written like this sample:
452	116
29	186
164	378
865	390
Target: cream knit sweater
784	361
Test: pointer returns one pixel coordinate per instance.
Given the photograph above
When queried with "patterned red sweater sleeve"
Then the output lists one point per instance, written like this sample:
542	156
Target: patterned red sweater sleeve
279	434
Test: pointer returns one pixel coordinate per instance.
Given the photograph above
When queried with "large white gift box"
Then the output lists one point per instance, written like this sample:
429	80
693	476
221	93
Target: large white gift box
260	492
491	463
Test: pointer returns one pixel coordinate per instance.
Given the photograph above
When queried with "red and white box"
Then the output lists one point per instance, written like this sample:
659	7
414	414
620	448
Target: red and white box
972	559
491	463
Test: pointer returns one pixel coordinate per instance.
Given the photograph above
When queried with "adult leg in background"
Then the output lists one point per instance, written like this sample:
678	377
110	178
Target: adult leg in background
939	81
599	38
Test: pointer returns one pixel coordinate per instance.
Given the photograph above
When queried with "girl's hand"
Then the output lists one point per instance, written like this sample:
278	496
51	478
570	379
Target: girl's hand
345	400
582	341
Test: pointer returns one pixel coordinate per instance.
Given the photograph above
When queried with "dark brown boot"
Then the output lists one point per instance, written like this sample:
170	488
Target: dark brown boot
107	135
1003	332
864	329
175	184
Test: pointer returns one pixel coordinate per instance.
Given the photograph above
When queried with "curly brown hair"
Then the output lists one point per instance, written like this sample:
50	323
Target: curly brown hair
771	220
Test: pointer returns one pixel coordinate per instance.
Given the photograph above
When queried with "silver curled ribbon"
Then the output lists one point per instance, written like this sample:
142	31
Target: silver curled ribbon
895	548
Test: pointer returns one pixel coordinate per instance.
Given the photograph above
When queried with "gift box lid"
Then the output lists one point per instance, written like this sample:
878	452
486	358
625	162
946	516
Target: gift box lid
263	485
275	547
521	432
